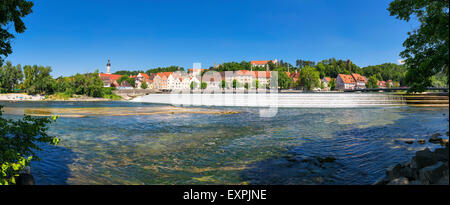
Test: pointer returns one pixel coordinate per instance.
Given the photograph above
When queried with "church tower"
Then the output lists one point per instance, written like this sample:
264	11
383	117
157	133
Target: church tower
108	67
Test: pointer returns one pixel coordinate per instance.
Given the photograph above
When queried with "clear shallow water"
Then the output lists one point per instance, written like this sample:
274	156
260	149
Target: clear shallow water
232	149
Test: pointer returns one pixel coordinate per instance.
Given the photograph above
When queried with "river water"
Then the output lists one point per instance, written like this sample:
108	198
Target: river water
238	148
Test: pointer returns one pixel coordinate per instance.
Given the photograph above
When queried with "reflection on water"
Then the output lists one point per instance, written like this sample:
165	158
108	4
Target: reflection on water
192	148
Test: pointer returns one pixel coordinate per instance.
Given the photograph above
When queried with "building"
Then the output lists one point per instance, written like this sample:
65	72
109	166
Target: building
326	82
345	82
360	81
381	84
264	64
109	80
350	82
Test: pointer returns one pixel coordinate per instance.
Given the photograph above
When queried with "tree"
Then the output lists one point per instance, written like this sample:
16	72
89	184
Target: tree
235	84
256	84
223	84
126	78
19	139
372	82
246	86
193	85
37	79
10	77
12	12
426	48
332	84
144	85
309	78
203	85
284	81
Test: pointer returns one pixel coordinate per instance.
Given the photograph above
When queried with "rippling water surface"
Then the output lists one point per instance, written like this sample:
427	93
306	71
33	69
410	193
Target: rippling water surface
242	148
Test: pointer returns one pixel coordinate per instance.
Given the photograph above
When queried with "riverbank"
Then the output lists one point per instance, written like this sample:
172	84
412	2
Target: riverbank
18	97
426	167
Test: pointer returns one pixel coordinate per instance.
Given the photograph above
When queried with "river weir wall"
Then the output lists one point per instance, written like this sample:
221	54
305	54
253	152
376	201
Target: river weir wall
288	100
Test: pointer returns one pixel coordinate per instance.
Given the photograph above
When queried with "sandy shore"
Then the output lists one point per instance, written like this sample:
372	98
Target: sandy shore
20	97
17	97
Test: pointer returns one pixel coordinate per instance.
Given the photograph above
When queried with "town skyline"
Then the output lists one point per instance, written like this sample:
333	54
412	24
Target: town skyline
161	38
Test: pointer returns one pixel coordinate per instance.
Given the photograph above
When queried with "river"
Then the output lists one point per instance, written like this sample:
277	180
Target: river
237	148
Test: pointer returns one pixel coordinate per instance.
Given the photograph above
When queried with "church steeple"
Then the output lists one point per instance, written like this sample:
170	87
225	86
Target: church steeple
108	67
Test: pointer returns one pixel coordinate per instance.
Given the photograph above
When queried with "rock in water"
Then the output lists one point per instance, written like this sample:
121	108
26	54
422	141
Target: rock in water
421	141
399	170
399	181
422	159
25	179
441	154
432	174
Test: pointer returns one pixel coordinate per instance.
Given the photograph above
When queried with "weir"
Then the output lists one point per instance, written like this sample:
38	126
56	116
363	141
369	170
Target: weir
288	100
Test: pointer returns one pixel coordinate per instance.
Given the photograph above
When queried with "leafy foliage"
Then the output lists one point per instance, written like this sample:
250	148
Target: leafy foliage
309	78
12	12
10	77
426	48
372	82
38	79
19	140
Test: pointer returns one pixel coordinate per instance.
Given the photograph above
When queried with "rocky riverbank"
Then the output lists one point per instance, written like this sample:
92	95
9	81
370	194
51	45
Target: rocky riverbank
425	168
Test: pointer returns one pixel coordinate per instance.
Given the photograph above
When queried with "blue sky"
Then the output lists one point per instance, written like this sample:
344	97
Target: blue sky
78	36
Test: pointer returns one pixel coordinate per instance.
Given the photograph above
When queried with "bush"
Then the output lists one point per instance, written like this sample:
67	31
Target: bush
18	142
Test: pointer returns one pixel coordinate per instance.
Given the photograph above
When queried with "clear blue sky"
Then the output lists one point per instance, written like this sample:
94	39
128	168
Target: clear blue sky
77	36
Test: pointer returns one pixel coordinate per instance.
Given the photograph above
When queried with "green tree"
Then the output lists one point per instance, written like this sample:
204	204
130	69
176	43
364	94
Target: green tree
38	79
309	78
332	84
126	78
372	82
193	85
12	12
203	85
10	77
223	84
144	85
19	140
235	84
426	48
284	81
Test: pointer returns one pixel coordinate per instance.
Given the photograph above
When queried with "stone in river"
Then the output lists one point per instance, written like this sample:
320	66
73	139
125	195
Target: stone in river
421	141
399	170
432	174
422	159
399	181
409	142
435	140
441	154
436	135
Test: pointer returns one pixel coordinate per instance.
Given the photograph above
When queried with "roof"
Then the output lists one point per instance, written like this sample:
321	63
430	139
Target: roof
245	73
328	79
259	62
112	77
347	79
359	78
144	75
164	74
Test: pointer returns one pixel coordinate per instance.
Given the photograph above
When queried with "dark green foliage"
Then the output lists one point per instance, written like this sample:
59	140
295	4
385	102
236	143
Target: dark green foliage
11	12
38	79
19	141
164	69
128	73
309	78
372	82
10	77
426	48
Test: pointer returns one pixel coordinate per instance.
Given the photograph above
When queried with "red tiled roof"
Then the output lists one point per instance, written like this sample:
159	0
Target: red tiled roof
259	62
112	77
359	78
164	74
145	75
328	79
347	79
